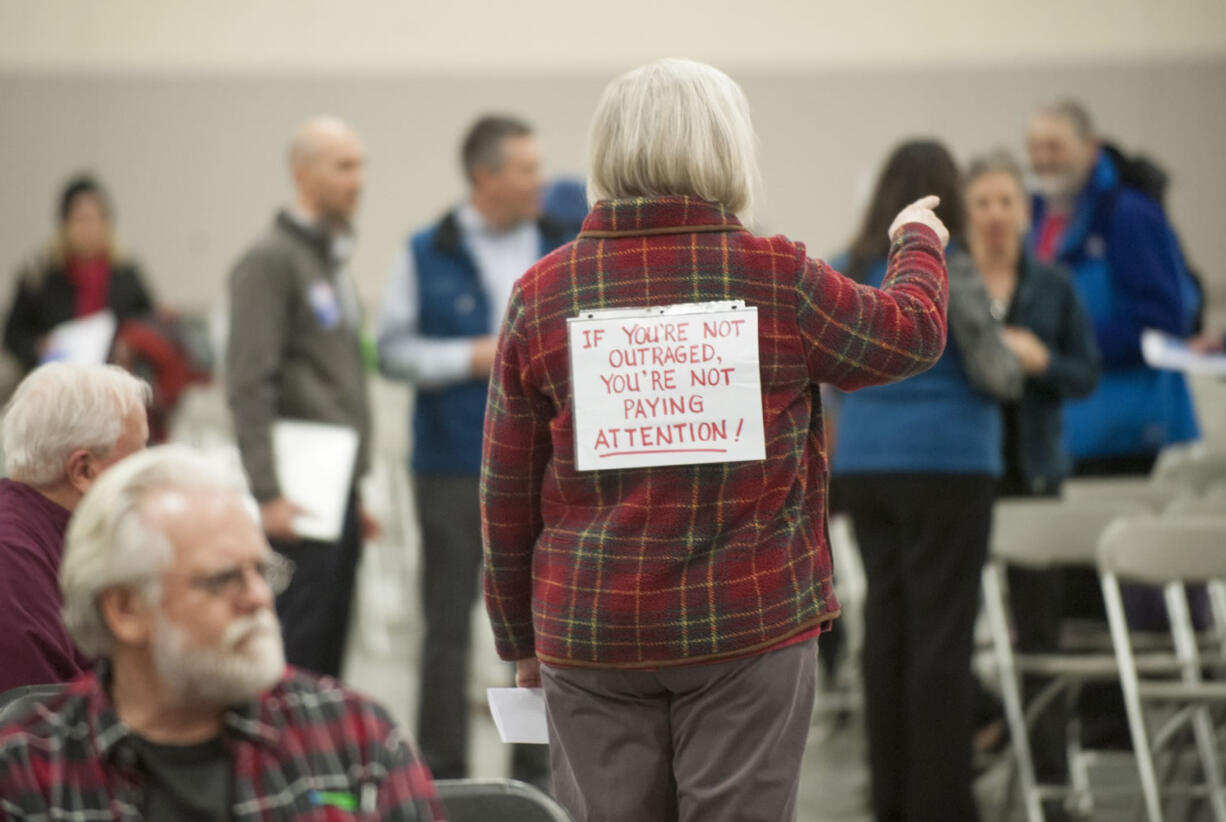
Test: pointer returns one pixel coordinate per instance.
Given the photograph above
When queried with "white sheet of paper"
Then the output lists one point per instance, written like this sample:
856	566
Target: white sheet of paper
519	714
86	341
314	463
1161	350
673	385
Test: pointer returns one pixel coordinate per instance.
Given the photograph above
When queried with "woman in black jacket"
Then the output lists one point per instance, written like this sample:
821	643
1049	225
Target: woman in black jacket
79	275
1045	326
1050	334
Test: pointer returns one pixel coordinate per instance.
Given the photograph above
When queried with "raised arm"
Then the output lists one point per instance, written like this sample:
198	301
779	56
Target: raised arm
856	335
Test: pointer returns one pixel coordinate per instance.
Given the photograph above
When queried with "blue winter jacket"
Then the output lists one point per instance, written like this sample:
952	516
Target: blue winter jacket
1130	275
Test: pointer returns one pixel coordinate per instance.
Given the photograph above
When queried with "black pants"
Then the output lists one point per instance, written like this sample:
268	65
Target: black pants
314	610
924	540
450	513
1036	598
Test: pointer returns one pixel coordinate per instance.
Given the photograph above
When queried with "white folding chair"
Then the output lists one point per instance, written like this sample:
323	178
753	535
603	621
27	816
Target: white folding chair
1170	552
1212	503
1044	534
482	800
1195	468
1142	493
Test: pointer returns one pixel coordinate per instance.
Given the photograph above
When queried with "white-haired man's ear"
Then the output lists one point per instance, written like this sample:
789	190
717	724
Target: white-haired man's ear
81	470
128	614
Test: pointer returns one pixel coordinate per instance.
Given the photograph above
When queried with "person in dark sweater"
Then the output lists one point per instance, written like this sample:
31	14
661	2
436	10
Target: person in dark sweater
80	274
63	427
1046	326
1048	330
295	352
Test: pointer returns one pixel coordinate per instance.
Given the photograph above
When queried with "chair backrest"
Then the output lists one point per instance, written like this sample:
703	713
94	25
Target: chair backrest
1207	505
1196	469
1041	533
16	701
1216	491
1143	493
1160	550
505	800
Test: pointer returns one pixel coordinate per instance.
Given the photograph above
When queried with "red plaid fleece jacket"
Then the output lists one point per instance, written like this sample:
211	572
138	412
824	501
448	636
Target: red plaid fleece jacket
650	567
306	750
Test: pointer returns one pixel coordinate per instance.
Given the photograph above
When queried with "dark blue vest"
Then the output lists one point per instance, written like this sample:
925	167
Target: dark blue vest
453	303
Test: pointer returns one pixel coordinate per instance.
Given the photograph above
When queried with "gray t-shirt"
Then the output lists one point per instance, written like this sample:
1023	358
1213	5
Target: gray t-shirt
185	783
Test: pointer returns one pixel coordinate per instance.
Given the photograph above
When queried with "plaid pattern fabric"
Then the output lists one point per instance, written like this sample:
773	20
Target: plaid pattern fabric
306	740
650	567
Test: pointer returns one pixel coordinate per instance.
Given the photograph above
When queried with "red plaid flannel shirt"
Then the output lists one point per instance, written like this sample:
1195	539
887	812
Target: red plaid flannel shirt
72	758
675	565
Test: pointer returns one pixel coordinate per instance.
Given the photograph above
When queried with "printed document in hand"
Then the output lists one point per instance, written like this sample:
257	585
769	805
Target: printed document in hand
86	341
315	463
1161	350
519	714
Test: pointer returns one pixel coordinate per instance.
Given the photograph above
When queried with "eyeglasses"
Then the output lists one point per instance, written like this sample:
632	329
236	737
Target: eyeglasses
274	569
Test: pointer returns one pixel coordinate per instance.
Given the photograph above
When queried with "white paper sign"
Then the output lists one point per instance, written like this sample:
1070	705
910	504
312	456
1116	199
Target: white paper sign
314	464
86	341
519	715
666	386
1161	350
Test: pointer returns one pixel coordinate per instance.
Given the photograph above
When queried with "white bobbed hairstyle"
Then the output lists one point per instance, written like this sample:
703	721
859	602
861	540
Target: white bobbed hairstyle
60	408
674	127
109	542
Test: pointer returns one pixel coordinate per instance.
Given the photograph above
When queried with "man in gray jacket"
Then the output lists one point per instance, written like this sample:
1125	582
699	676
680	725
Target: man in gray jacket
294	352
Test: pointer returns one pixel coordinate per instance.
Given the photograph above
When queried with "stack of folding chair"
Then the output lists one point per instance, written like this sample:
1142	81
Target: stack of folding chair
1046	534
1164	705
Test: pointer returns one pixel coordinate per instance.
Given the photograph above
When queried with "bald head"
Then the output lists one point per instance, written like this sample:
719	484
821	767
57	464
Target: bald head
327	160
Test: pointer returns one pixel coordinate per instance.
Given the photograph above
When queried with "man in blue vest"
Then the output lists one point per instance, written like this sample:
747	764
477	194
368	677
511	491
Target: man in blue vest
1130	274
437	331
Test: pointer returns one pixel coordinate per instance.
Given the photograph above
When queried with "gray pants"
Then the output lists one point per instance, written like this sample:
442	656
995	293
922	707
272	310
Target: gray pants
449	510
703	743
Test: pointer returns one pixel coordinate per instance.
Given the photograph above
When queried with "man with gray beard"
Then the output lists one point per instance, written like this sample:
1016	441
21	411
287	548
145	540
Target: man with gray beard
192	713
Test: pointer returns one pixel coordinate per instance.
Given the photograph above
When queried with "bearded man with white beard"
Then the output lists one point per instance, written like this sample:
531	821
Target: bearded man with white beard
1130	275
192	713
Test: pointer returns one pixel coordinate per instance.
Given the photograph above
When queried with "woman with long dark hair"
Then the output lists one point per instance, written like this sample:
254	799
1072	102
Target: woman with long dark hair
917	463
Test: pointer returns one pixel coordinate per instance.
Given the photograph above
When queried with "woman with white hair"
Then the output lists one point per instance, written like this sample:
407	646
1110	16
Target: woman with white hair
671	613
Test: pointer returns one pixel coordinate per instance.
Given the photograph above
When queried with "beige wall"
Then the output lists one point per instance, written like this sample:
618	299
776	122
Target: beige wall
195	160
527	35
183	107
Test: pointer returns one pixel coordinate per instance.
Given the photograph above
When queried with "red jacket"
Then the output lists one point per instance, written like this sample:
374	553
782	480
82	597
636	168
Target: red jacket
649	567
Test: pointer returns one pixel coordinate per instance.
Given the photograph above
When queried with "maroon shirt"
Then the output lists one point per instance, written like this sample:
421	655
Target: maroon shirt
34	644
92	281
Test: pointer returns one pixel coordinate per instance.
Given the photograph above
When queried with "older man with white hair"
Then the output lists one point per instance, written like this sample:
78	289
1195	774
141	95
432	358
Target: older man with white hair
63	427
192	713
